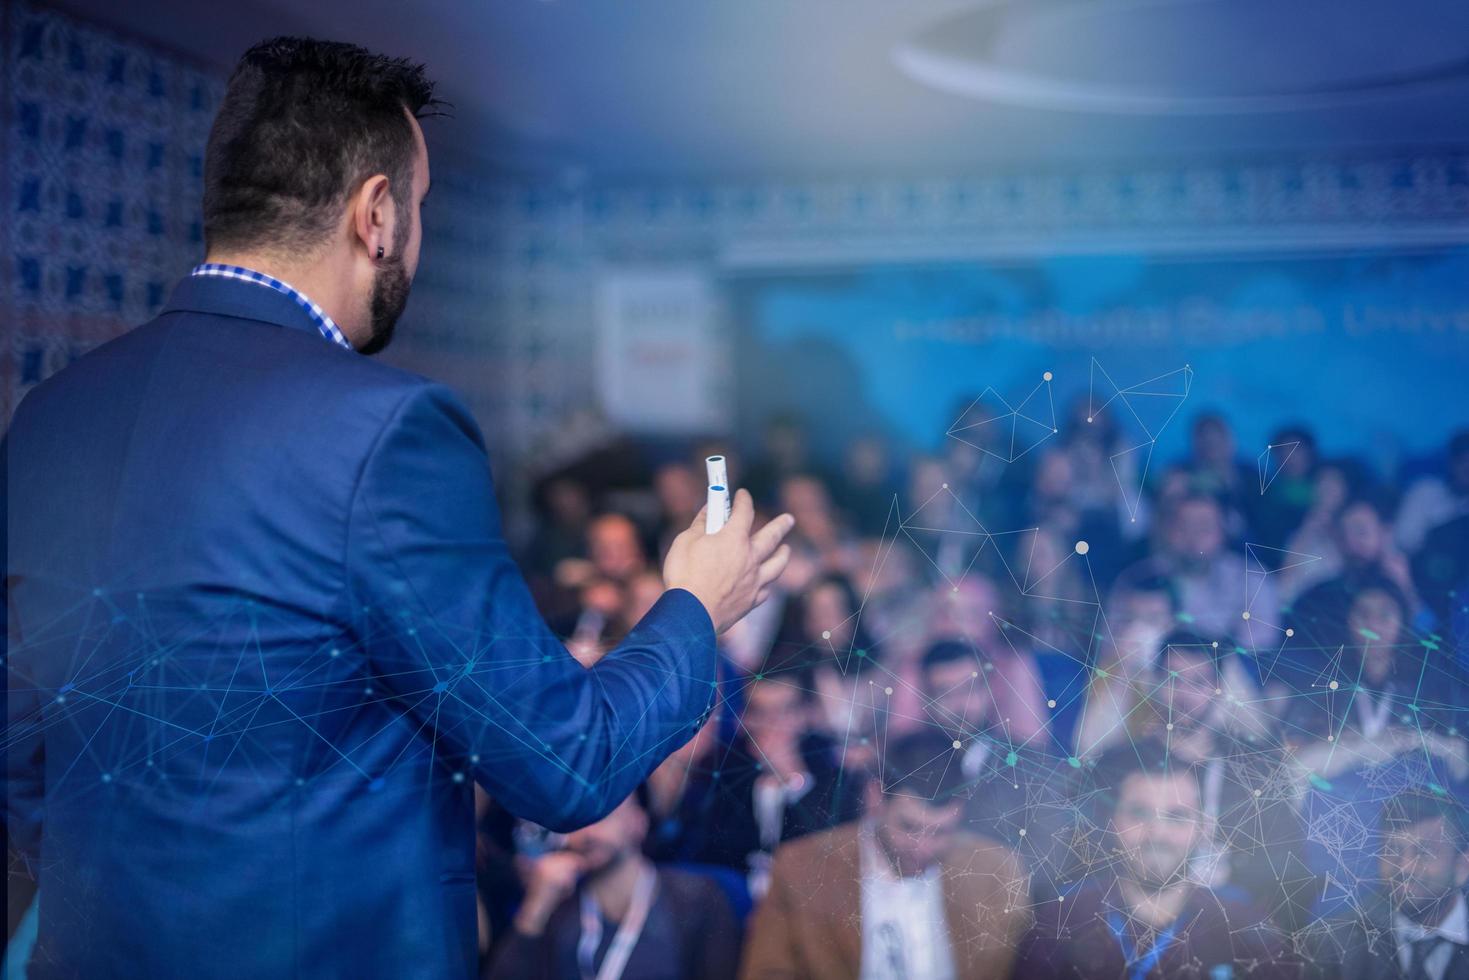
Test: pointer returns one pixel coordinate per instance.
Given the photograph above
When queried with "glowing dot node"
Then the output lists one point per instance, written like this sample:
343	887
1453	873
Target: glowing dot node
1051	703
1082	547
956	744
1047	376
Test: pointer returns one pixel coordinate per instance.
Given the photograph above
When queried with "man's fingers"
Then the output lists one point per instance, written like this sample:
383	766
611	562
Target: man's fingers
698	524
771	568
768	538
742	512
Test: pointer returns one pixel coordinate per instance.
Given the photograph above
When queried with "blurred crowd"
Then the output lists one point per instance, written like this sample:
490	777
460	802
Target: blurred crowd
1074	712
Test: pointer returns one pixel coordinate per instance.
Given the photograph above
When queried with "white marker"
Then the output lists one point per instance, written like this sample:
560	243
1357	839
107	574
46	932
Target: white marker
718	475
717	511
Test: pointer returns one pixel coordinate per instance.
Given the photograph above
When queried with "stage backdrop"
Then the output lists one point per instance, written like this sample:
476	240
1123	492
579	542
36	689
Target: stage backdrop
1371	348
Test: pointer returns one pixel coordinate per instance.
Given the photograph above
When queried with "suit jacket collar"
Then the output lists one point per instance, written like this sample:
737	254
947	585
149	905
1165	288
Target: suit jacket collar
220	296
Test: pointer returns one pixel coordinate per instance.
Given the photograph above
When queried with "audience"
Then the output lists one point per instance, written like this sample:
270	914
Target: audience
1153	714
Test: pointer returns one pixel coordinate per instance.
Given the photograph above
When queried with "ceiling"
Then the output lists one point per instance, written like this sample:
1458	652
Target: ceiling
672	89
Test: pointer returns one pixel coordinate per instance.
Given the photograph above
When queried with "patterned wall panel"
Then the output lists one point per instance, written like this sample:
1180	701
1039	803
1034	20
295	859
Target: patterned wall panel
103	151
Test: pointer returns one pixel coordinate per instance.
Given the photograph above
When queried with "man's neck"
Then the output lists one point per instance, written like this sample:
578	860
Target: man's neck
613	887
320	278
1155	906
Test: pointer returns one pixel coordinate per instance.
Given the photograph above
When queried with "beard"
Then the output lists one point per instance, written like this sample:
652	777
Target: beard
390	286
1159	866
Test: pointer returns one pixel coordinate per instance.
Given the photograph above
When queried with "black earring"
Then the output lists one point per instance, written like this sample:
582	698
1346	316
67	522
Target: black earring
379	251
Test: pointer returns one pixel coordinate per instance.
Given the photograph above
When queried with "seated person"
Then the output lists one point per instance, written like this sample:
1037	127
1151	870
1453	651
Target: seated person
780	779
1141	615
824	629
1253	835
1138	913
1382	696
1016	793
1366	553
596	907
903	892
1208	577
1417	926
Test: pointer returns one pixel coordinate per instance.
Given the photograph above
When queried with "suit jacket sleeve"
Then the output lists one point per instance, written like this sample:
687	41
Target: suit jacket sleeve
448	625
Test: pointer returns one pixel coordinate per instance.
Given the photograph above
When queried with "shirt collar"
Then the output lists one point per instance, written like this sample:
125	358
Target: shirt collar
1454	927
240	292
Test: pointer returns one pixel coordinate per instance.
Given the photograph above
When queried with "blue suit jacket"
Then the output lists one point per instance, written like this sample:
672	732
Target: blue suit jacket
264	637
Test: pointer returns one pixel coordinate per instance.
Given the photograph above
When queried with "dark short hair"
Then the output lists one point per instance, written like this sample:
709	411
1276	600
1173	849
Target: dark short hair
1145	757
1147	584
1414	805
301	124
922	764
948	651
1378	582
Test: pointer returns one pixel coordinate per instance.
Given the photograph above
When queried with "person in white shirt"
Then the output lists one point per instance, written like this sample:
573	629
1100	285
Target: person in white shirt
903	892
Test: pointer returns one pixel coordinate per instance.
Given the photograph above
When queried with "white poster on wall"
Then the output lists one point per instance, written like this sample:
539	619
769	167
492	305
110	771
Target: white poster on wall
662	363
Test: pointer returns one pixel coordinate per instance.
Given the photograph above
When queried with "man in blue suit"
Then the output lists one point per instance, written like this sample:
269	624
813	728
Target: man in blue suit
264	633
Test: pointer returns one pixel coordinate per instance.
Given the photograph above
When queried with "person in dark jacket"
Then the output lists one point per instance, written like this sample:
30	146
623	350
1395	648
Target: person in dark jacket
1416	926
1137	914
596	907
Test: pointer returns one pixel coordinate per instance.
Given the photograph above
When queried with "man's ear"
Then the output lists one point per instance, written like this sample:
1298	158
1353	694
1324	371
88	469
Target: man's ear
373	215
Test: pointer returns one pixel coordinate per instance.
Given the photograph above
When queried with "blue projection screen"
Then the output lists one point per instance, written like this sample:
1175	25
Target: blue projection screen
1370	348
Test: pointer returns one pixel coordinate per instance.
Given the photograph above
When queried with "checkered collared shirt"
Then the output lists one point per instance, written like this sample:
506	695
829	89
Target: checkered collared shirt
324	323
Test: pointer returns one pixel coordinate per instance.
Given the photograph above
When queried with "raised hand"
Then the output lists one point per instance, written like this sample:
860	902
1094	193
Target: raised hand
731	571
